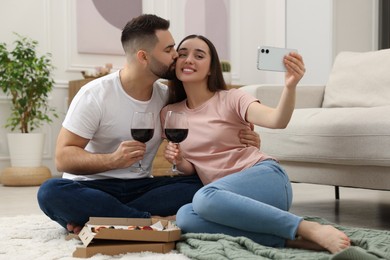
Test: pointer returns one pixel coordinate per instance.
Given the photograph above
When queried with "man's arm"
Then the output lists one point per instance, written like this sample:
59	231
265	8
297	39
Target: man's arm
72	158
249	138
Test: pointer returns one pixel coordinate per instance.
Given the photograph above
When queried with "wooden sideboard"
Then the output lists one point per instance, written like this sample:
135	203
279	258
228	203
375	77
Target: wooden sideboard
234	86
74	87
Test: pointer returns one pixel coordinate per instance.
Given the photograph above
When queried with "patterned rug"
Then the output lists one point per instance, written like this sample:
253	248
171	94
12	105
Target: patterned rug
367	244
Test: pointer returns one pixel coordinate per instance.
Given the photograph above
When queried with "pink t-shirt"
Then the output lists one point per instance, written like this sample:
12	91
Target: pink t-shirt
212	144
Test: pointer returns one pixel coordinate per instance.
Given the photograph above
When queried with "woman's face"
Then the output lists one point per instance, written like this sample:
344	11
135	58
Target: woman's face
193	63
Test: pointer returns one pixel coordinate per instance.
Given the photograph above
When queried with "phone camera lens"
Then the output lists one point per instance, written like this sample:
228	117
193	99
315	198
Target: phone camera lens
262	50
267	51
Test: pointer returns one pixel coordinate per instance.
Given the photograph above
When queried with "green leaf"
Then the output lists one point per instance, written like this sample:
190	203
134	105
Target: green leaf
26	78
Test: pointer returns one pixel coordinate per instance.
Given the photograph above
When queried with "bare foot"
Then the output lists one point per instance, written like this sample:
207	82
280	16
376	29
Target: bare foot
171	218
301	243
73	228
326	236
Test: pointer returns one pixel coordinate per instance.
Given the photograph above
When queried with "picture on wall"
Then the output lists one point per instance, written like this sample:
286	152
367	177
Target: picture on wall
100	23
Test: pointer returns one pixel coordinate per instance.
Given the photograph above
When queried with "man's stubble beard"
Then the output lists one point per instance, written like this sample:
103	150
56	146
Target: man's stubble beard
161	70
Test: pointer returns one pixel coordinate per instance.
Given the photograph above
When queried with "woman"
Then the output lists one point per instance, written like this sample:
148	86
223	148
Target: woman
246	192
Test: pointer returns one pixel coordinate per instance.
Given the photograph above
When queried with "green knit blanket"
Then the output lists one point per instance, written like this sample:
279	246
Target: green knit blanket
367	244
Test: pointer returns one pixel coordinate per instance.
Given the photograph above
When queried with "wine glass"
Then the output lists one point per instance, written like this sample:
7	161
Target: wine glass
176	131
142	130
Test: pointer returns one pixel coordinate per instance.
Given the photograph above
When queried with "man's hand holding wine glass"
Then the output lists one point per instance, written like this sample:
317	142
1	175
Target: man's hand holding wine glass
128	153
142	130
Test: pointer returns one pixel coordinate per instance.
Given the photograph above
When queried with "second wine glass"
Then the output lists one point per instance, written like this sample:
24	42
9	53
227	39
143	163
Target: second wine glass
176	131
142	130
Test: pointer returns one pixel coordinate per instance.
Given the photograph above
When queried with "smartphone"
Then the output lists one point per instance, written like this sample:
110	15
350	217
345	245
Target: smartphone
271	58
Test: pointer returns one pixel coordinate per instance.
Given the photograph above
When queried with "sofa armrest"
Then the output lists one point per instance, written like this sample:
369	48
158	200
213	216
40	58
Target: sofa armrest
308	96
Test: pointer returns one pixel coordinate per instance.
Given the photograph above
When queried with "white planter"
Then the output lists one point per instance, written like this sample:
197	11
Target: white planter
227	77
26	150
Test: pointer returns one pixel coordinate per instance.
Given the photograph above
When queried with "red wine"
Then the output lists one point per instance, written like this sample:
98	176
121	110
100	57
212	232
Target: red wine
142	135
176	135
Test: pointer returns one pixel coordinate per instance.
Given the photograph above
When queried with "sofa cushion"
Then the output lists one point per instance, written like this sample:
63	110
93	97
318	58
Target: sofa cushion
350	136
359	80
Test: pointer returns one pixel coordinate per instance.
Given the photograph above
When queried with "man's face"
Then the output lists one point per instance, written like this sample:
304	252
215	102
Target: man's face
163	56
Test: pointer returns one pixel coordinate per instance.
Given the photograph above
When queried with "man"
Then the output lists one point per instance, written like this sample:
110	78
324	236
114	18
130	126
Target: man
95	149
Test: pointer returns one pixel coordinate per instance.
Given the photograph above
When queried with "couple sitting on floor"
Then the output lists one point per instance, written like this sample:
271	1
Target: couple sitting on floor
227	186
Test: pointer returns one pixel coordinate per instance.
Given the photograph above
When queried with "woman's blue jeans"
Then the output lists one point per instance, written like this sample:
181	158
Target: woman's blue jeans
253	203
66	201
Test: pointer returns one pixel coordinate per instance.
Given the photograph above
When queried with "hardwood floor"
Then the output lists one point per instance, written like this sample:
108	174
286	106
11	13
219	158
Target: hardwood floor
18	201
356	207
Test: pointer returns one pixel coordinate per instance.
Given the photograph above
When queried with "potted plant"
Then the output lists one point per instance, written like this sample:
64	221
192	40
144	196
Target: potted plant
226	71
26	78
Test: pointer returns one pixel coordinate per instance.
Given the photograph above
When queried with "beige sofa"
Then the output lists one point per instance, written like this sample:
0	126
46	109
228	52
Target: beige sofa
339	134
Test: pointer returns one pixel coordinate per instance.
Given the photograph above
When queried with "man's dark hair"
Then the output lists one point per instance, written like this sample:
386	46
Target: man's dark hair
140	32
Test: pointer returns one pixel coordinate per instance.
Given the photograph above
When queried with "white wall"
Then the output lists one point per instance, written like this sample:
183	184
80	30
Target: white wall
309	29
319	29
357	30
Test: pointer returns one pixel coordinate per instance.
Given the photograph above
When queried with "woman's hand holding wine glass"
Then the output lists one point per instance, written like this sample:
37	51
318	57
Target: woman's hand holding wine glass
176	131
142	130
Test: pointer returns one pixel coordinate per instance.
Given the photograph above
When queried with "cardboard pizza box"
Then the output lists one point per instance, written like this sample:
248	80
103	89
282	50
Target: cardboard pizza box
113	247
112	236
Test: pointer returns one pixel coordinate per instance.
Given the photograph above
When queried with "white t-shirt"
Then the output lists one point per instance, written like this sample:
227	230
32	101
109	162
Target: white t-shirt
102	111
212	144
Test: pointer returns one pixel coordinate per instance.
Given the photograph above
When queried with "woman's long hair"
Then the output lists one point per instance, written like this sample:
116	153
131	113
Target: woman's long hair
215	80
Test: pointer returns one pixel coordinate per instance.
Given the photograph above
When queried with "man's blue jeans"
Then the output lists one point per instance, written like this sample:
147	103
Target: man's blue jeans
66	201
253	203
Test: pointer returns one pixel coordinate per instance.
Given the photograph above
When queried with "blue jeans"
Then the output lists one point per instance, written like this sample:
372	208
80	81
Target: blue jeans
66	201
253	203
